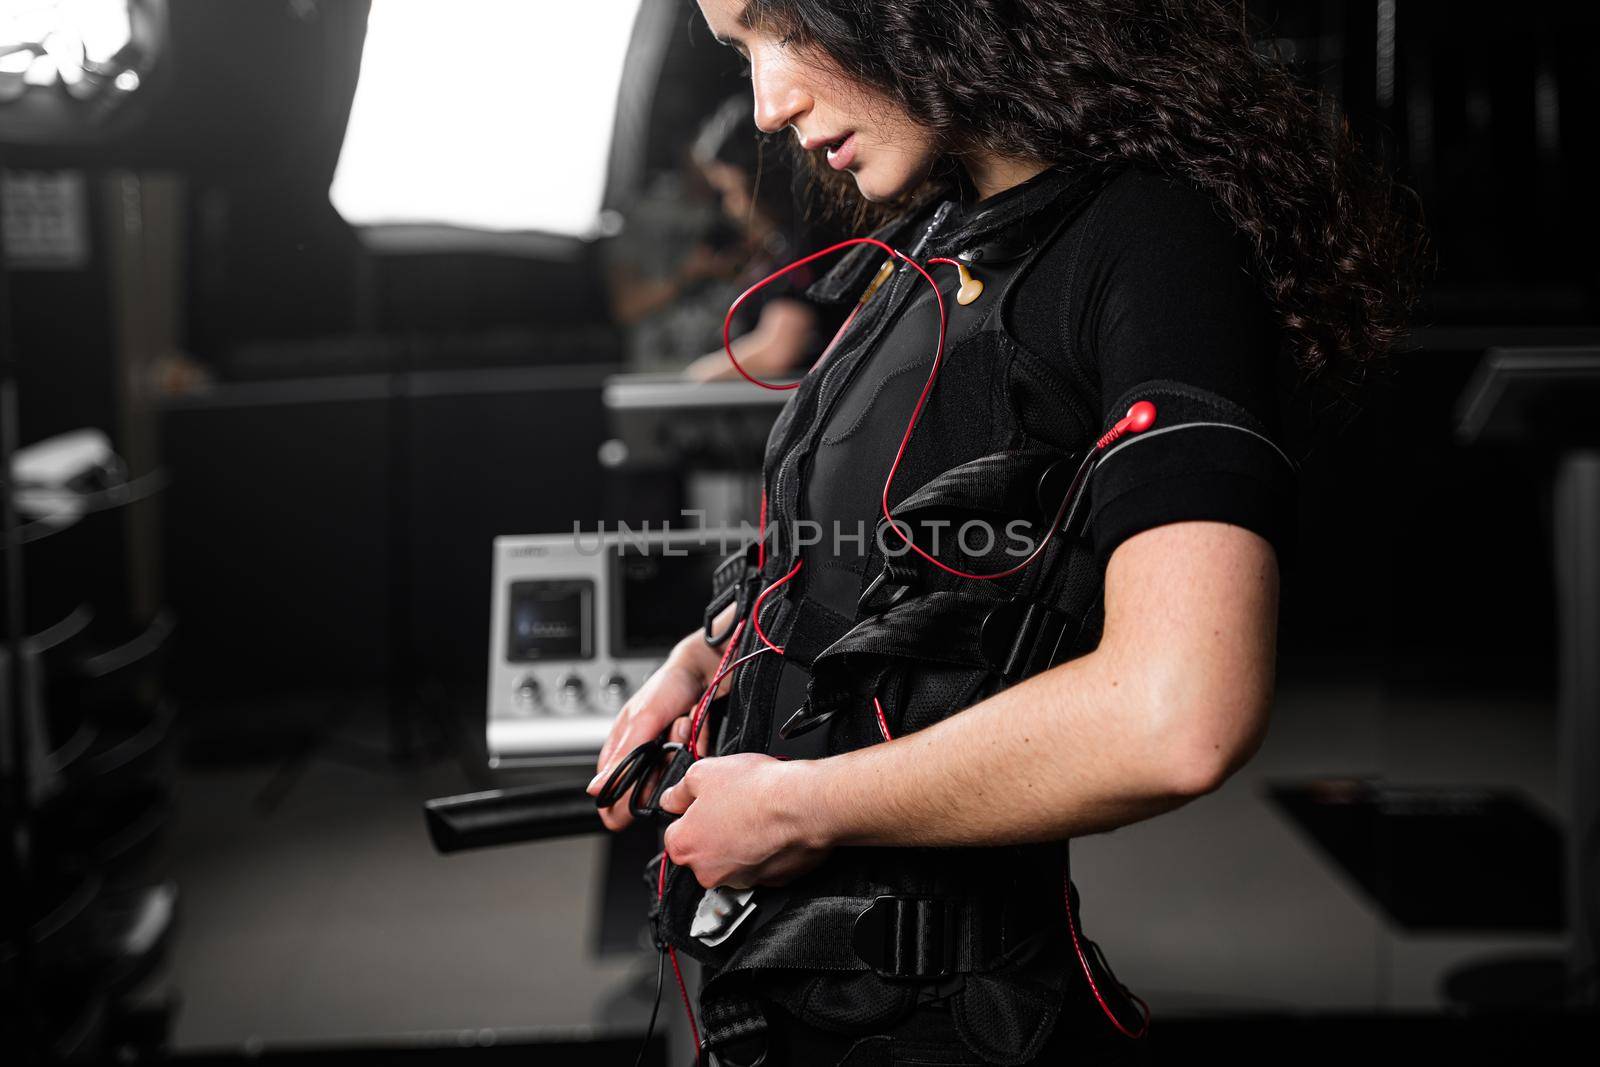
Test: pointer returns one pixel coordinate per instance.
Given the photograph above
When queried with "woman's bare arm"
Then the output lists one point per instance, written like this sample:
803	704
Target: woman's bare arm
1173	701
775	346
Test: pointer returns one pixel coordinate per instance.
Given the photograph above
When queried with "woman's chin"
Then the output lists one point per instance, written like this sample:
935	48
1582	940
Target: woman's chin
874	188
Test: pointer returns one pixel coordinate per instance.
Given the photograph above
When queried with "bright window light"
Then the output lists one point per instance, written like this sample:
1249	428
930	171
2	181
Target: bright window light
54	40
484	114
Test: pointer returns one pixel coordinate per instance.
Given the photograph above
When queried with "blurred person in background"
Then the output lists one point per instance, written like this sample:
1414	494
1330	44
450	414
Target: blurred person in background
674	312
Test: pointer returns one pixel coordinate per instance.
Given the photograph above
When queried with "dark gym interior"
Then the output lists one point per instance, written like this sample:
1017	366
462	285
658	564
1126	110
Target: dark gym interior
263	430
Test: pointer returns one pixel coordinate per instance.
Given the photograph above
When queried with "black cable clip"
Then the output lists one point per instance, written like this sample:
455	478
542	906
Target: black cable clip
1055	481
644	774
896	581
803	721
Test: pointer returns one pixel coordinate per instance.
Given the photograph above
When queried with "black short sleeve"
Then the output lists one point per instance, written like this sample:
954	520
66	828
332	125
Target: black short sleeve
1163	307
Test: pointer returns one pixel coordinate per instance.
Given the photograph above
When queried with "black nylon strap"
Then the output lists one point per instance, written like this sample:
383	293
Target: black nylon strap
733	581
1000	484
939	628
905	938
816	626
922	937
733	1020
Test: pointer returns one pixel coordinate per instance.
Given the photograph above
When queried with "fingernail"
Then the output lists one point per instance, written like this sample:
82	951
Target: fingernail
595	781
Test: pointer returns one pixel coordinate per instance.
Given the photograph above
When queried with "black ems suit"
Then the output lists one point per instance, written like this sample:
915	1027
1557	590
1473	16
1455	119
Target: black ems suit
1100	288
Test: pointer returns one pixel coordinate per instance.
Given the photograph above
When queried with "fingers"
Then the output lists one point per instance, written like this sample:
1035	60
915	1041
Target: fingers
670	692
662	703
677	799
603	766
629	732
669	843
617	817
623	742
593	788
683	729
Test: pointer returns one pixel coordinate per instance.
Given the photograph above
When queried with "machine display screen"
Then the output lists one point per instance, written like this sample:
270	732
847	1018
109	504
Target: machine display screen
658	598
551	620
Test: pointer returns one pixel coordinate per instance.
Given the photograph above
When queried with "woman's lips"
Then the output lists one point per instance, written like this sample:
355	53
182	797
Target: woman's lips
842	154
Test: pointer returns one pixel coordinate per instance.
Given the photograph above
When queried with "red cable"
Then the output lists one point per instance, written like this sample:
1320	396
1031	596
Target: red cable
724	668
688	1007
894	468
761	532
706	697
722	671
883	723
672	952
905	440
694	731
741	661
1066	882
1072	928
755	610
727	322
916	412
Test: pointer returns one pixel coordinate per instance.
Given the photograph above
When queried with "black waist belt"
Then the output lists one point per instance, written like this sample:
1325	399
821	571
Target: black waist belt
915	937
901	938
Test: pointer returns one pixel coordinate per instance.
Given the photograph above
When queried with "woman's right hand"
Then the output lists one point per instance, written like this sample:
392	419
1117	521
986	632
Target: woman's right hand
665	700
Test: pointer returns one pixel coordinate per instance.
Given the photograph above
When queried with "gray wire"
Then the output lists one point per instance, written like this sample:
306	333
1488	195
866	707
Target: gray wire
1149	434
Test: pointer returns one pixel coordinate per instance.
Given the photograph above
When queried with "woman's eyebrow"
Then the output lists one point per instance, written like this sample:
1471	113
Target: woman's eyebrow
744	23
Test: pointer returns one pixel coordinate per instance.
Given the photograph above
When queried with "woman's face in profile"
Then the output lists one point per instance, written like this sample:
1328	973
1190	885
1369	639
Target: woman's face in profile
854	127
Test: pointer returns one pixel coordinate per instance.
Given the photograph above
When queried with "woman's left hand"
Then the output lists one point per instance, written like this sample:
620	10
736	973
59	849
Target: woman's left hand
743	821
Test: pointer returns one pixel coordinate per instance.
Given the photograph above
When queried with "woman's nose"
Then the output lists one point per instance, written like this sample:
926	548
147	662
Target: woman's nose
780	96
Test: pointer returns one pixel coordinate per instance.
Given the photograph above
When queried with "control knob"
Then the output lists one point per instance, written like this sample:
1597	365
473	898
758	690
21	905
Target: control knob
570	695
614	691
527	695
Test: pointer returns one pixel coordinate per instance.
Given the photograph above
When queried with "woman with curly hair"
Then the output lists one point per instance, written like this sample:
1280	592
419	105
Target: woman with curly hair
1111	235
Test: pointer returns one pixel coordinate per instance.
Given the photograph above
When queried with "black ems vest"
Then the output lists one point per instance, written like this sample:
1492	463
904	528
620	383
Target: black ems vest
857	943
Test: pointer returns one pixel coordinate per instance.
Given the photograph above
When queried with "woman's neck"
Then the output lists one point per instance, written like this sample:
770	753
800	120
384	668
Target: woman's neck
992	174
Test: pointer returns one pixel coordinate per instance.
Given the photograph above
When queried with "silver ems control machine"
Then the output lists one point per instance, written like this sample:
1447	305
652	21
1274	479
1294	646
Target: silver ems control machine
579	621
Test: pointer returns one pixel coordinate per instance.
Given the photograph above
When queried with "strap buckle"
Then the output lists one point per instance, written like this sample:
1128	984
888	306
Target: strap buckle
907	937
1055	482
802	721
644	774
900	577
734	581
1023	637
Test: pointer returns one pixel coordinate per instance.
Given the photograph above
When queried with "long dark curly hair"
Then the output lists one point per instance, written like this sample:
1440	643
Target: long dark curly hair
1175	85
